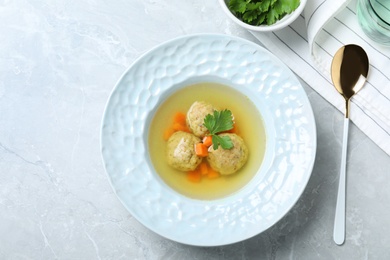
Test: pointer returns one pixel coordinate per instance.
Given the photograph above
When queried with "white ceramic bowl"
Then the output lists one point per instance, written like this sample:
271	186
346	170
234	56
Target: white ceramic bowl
244	66
280	24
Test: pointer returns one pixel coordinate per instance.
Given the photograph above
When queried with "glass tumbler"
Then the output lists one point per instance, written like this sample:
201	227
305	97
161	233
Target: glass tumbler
374	19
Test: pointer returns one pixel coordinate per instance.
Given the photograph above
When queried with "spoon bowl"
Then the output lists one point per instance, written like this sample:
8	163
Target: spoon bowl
349	71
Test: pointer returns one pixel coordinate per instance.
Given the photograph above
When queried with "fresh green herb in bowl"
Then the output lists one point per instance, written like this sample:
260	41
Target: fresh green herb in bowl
257	12
263	15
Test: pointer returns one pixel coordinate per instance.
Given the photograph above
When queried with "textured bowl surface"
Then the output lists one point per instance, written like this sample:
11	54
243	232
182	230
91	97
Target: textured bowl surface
280	24
245	66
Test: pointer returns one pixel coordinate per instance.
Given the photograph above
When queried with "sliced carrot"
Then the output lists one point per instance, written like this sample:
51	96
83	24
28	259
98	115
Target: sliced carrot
207	140
179	127
212	174
235	129
203	168
194	176
167	133
180	118
201	150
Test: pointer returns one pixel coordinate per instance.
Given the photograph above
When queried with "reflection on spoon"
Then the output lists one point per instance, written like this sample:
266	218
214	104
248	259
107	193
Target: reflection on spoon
349	72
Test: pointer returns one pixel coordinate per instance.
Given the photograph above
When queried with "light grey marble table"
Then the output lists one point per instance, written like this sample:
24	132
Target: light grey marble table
59	61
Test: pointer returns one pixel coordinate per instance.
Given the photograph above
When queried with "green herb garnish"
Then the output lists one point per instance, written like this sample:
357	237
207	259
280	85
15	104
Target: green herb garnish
260	12
218	122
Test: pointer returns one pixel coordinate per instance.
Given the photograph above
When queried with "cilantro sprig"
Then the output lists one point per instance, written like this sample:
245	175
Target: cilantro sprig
220	121
261	12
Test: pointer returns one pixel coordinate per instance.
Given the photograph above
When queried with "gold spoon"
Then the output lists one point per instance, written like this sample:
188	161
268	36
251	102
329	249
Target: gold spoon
349	72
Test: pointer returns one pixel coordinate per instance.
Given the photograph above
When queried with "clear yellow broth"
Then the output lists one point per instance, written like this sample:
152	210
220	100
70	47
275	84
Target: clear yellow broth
250	127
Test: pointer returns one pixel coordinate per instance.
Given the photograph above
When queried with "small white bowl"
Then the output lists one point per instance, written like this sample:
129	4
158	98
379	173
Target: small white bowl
280	24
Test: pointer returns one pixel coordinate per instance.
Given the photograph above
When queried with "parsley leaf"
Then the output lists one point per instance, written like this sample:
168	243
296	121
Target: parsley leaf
218	122
259	12
238	5
224	141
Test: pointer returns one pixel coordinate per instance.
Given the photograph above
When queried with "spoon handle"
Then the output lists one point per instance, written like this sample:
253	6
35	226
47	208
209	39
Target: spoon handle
339	221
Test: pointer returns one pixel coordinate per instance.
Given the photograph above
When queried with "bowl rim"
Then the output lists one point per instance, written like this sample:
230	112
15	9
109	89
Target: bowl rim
120	189
280	24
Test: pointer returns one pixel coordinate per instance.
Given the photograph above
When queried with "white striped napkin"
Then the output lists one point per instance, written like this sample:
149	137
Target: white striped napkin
307	46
